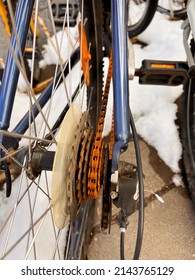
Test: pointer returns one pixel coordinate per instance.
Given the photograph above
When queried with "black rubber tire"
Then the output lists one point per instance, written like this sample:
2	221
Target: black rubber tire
1	74
180	14
188	134
78	236
94	33
146	18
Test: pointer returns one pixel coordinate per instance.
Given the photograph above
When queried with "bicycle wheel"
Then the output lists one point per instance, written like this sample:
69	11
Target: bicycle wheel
48	201
78	236
172	9
140	14
188	134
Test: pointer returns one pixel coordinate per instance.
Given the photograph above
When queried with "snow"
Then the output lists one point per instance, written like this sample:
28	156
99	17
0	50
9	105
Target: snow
50	54
178	181
153	108
156	123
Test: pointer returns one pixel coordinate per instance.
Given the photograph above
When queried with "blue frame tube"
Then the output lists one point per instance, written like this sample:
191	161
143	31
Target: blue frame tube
11	71
120	79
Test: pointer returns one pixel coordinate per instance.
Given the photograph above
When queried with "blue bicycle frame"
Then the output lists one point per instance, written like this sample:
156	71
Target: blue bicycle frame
120	80
11	72
120	76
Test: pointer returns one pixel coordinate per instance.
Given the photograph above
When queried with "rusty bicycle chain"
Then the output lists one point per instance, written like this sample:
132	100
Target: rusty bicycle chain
81	189
86	158
95	160
73	166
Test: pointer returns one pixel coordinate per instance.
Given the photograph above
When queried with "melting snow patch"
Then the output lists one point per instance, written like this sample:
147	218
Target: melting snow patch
178	181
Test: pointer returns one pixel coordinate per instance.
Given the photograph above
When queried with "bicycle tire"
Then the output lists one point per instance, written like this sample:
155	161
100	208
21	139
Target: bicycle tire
188	135
35	235
79	235
178	13
146	10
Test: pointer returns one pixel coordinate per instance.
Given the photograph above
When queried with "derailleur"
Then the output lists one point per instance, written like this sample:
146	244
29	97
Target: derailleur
124	189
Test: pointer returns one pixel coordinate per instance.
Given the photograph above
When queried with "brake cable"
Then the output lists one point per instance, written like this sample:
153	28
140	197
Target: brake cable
141	200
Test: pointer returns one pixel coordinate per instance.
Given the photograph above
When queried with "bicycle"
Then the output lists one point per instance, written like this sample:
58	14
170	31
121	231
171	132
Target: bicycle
174	73
141	13
174	9
62	132
187	100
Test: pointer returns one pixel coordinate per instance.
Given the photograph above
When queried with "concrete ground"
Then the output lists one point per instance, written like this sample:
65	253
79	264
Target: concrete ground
169	226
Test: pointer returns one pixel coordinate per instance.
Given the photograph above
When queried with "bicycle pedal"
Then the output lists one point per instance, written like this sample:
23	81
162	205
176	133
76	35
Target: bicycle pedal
59	9
28	53
167	73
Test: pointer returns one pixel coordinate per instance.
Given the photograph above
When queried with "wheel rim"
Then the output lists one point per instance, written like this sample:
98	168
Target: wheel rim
136	12
171	9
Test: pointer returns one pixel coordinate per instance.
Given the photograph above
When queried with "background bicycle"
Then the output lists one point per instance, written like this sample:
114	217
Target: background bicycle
141	12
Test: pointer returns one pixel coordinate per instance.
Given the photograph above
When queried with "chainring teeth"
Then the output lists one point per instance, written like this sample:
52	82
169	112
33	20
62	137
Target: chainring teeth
87	162
106	199
73	168
83	165
79	164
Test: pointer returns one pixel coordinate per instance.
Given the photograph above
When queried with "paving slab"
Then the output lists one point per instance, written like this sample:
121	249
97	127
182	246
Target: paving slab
169	227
